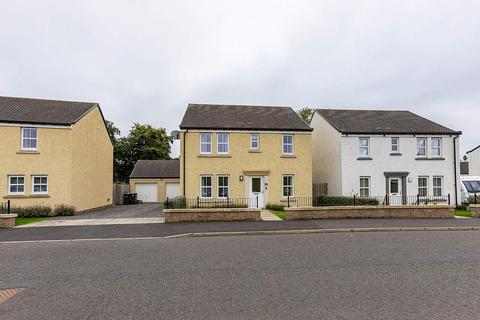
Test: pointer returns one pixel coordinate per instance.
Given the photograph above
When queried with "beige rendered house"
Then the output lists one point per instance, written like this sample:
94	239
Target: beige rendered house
245	152
156	180
54	152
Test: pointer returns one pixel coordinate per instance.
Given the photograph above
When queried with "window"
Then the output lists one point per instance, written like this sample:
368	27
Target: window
40	184
364	147
472	186
423	186
436	147
395	145
287	144
364	186
254	141
205	143
421	147
205	187
29	138
437	186
223	186
288	186
222	143
16	184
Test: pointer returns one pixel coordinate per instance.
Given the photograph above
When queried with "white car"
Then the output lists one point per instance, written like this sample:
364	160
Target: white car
469	187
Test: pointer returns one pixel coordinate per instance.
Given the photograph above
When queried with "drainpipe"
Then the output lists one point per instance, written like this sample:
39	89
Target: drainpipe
455	167
183	157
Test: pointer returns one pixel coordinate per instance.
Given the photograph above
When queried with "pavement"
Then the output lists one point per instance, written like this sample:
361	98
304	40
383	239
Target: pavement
405	275
267	215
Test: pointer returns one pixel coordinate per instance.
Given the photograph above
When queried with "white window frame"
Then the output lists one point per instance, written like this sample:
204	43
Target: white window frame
29	138
437	187
206	143
16	184
227	143
291	186
292	144
360	147
367	188
395	144
439	148
202	186
41	184
423	187
258	141
418	148
223	186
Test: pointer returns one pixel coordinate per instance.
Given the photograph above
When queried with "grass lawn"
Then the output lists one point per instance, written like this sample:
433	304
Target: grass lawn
22	221
463	213
280	214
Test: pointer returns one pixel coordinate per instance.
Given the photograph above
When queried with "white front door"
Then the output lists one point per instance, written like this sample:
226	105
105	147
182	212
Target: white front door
147	192
395	191
172	190
256	192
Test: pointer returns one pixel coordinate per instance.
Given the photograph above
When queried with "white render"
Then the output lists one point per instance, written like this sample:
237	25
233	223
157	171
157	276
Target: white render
474	162
336	162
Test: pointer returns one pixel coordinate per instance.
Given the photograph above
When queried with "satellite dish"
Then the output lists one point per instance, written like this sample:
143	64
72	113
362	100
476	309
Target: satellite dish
175	134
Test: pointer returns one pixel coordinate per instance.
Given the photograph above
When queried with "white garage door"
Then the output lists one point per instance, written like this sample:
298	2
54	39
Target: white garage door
173	190
147	192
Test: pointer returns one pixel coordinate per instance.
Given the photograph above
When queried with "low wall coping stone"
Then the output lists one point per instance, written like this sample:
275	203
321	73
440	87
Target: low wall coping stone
8	216
370	207
209	210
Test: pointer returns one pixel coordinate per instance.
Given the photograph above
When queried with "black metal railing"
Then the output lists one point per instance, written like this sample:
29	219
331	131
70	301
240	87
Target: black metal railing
187	203
474	199
5	207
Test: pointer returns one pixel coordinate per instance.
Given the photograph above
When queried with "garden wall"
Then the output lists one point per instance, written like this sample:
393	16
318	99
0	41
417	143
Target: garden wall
211	214
475	208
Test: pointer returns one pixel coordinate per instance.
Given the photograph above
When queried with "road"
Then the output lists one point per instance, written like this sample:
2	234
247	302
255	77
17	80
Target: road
404	275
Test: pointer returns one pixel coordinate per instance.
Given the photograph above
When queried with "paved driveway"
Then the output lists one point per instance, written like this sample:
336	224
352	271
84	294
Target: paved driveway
144	210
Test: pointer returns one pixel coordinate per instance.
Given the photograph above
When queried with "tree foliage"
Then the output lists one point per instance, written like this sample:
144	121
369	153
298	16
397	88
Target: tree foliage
305	114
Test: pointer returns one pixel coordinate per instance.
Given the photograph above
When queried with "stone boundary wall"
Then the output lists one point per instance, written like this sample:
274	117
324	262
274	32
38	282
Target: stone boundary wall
428	211
211	214
475	208
7	220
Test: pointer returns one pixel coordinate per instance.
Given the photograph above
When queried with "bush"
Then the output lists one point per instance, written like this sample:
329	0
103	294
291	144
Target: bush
344	201
176	203
275	207
64	210
463	206
33	211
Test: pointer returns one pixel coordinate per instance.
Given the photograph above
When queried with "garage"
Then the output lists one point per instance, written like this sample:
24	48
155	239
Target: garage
172	190
147	192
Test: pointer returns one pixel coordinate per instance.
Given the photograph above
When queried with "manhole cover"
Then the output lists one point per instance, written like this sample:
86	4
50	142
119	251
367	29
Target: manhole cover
6	294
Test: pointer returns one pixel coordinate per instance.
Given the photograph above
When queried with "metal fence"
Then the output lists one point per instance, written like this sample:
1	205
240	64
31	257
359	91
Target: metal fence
474	199
198	202
5	207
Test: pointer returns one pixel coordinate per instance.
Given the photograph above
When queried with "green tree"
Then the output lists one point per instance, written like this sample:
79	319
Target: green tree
305	114
113	131
143	142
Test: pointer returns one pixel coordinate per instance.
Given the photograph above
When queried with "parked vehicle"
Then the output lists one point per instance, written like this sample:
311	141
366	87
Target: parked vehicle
469	187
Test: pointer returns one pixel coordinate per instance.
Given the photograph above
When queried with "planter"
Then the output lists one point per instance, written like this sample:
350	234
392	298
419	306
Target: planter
7	220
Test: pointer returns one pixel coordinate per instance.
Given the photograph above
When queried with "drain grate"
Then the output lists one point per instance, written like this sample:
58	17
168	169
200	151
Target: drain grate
6	294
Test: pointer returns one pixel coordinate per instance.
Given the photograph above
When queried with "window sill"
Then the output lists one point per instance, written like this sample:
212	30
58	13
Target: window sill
438	158
288	156
364	158
25	196
28	152
397	154
214	156
254	151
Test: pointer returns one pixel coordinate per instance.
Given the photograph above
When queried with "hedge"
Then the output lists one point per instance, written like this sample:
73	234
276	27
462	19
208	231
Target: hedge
344	201
43	211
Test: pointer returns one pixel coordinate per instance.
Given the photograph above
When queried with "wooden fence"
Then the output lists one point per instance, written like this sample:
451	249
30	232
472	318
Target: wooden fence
319	189
118	190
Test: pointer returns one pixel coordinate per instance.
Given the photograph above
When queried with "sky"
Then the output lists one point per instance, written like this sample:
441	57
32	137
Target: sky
144	61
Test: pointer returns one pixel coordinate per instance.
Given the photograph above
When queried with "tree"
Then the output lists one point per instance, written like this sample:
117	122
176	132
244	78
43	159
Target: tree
305	114
143	142
113	131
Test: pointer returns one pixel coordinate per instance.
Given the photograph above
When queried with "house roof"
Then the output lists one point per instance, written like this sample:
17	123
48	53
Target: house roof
464	168
474	149
156	169
239	117
381	122
40	111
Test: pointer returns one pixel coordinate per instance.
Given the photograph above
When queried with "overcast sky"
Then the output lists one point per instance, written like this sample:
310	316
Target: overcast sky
144	61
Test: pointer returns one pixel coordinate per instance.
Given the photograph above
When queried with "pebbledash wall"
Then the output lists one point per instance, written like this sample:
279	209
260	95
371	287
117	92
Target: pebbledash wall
268	161
77	160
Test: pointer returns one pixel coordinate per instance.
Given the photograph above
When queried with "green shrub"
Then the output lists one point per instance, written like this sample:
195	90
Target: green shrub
463	206
64	210
175	203
275	207
33	211
471	199
344	201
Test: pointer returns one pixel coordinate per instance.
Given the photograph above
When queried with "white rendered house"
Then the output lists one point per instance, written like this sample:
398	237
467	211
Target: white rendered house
474	162
395	154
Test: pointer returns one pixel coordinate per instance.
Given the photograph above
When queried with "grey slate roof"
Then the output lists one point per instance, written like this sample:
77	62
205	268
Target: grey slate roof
381	122
464	168
156	169
40	111
238	117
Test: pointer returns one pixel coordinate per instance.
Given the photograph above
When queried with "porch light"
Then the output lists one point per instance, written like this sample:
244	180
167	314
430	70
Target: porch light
241	178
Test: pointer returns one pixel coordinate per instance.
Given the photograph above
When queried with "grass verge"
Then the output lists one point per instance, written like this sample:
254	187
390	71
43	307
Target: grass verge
280	214
22	221
463	213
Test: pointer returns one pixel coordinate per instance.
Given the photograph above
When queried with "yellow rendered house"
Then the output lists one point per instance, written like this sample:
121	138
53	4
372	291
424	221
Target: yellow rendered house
54	152
251	152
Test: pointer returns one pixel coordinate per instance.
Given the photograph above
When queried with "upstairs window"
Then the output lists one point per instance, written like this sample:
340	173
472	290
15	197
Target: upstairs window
395	144
254	141
223	186
364	147
436	147
205	187
29	139
205	143
222	143
40	184
288	186
364	186
421	147
437	186
423	186
287	144
16	184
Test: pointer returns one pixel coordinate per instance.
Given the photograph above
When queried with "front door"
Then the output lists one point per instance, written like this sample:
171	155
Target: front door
395	191
256	192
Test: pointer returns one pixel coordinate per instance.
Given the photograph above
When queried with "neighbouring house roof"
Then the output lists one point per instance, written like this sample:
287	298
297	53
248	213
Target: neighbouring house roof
464	168
381	122
474	149
239	117
151	169
40	111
